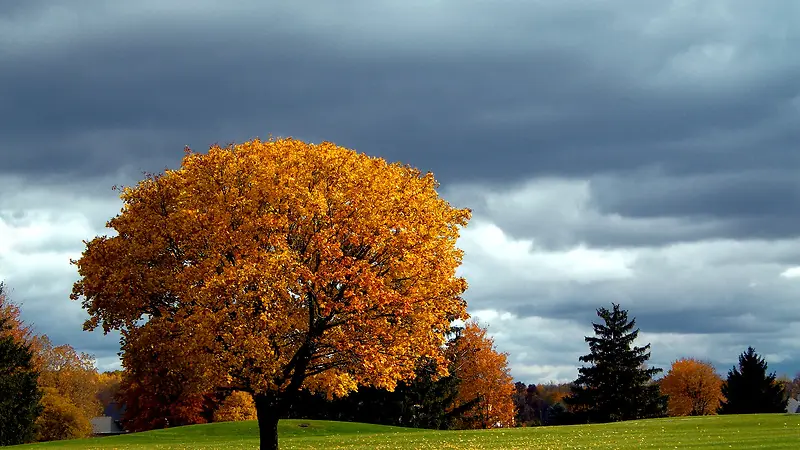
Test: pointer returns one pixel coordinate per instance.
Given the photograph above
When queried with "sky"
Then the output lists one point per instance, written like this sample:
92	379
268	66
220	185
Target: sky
642	152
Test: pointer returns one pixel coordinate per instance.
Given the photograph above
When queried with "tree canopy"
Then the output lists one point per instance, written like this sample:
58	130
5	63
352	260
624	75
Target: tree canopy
71	375
693	387
484	378
20	396
615	385
273	265
15	327
749	389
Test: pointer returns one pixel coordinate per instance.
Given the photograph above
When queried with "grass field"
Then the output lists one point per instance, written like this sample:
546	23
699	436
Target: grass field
774	431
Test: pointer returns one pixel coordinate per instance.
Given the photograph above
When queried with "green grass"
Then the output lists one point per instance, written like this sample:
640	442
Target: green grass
774	431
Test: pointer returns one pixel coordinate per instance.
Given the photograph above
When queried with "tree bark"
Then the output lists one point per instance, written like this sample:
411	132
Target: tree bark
268	413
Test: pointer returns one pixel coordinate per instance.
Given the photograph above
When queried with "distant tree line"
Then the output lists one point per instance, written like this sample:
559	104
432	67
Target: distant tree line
55	390
615	384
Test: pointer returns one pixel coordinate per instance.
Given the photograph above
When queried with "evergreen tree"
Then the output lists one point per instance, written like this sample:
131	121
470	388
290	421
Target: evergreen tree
19	393
616	385
750	390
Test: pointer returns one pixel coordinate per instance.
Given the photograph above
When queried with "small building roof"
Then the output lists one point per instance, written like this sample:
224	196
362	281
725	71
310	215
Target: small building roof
106	425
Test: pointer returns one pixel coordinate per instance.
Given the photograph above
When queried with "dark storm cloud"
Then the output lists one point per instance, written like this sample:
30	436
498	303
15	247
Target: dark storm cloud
744	204
468	102
730	196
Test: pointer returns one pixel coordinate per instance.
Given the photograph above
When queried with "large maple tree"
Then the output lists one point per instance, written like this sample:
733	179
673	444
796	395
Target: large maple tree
268	266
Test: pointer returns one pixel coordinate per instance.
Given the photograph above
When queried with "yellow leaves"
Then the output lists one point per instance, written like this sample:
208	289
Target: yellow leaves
333	383
71	375
61	419
238	406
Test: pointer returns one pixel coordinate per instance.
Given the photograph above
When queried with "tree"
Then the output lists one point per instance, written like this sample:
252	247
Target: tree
535	404
484	376
15	327
158	392
429	401
236	407
528	404
162	398
693	387
791	387
750	390
108	387
19	394
553	393
72	376
61	419
616	385
270	266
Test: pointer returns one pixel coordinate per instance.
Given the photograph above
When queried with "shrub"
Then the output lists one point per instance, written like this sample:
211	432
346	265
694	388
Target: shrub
236	407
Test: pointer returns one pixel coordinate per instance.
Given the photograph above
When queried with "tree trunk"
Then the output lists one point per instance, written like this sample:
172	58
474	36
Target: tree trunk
268	412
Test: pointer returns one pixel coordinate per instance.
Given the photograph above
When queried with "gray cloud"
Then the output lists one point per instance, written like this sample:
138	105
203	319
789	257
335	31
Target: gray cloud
458	97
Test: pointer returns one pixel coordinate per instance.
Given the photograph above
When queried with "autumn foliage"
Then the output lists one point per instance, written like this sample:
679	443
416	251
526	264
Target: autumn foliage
15	327
273	265
68	379
694	388
236	407
71	375
484	375
108	387
61	419
162	399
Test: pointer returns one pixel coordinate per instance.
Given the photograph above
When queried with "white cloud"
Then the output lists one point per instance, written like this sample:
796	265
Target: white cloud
792	272
707	299
41	230
486	243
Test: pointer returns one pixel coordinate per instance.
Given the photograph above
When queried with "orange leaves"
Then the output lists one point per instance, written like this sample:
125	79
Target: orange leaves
10	311
484	375
269	262
694	388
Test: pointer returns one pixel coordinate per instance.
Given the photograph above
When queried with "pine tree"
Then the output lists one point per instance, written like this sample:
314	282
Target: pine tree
19	394
616	385
750	390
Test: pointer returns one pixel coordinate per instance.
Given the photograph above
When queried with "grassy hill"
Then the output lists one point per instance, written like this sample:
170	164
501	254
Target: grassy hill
774	431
